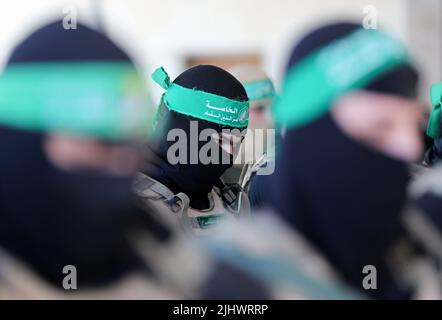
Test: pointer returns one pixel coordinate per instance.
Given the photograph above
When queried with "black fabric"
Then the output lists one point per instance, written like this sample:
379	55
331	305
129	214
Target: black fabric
258	192
195	180
259	196
50	218
344	197
54	43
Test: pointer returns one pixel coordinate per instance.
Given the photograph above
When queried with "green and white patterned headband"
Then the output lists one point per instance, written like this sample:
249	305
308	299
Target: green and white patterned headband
260	89
344	65
202	105
105	100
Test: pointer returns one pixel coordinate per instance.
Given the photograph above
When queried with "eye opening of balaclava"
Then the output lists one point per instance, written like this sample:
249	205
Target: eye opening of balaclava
343	196
216	90
50	218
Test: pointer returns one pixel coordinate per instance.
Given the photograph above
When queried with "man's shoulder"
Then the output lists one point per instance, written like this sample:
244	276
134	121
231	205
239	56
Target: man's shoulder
278	256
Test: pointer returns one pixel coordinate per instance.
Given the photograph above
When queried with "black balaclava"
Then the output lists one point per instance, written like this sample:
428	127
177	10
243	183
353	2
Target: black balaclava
50	218
341	195
195	180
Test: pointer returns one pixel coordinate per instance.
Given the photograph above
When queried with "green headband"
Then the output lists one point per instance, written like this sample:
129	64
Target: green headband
260	90
202	105
106	100
434	122
344	65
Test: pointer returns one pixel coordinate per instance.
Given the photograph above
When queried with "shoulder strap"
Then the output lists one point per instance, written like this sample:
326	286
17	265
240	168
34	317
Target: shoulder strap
143	184
147	187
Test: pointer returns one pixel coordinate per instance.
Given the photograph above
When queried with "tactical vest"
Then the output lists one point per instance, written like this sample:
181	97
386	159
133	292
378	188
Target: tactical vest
226	202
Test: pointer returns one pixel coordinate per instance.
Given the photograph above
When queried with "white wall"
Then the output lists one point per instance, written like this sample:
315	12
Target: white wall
173	29
164	32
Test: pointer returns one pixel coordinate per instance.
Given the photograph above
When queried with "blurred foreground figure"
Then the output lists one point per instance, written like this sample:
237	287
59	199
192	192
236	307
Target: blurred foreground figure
342	200
72	108
199	127
259	141
355	90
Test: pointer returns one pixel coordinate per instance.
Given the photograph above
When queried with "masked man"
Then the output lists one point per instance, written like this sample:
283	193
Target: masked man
73	109
199	126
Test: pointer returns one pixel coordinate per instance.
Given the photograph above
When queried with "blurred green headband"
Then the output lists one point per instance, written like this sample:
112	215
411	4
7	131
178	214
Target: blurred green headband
434	122
344	65
105	100
202	105
260	89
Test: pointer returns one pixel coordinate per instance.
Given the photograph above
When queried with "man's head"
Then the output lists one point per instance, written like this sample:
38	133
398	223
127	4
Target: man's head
69	68
208	108
381	110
